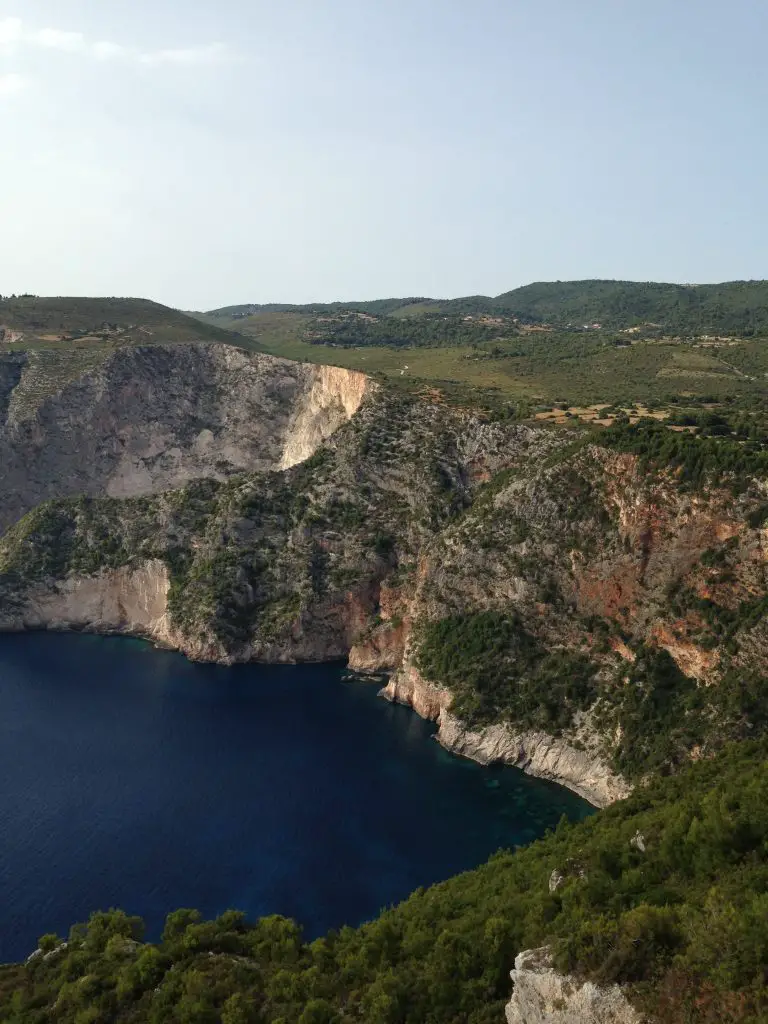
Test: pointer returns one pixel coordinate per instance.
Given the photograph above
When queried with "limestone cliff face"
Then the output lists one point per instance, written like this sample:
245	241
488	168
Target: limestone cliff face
335	396
131	601
412	514
155	417
536	753
380	648
134	602
542	996
409	688
539	754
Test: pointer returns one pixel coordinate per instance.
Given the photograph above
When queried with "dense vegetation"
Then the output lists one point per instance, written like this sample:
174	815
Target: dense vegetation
697	460
497	671
664	892
736	307
662	715
376	307
431	330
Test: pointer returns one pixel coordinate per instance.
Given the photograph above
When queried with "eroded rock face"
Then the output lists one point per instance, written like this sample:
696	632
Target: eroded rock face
333	398
536	753
409	688
542	996
153	418
381	648
125	600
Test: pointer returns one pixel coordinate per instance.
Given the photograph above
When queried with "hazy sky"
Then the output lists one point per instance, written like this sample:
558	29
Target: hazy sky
206	153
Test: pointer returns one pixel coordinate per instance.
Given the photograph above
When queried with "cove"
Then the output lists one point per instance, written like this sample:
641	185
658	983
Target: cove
130	777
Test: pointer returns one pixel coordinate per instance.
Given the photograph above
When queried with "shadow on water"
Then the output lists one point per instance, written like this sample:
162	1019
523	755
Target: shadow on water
134	778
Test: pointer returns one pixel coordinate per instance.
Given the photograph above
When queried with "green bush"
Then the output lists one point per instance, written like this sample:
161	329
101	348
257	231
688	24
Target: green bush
497	670
698	462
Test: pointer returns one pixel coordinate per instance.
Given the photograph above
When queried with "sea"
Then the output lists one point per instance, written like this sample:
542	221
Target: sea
133	778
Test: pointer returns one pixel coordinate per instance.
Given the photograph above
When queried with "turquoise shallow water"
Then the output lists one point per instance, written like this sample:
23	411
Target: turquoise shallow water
130	777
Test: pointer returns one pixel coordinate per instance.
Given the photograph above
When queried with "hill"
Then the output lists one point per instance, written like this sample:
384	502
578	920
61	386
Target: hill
48	343
581	343
40	320
735	307
382	307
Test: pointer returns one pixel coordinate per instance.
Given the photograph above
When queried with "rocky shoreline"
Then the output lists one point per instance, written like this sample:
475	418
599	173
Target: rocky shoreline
133	602
535	753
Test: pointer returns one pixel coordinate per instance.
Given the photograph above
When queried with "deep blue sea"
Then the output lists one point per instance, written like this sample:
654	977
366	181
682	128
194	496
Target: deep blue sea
130	777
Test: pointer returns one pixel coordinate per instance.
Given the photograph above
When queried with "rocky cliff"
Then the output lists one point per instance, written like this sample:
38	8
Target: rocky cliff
549	601
543	996
149	418
334	397
127	600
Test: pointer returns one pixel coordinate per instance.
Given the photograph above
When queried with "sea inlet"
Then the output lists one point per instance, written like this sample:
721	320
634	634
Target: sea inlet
130	777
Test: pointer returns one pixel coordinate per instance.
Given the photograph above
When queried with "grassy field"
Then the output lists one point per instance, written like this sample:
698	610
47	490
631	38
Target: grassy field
541	368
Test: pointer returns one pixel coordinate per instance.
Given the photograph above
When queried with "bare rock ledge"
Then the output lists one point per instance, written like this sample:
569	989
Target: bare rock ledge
542	996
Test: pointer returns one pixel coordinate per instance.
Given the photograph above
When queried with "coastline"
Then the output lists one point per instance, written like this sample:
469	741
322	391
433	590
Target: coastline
536	753
133	602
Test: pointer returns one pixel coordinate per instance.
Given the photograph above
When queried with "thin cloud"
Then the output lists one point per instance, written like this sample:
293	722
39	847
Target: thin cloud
11	33
55	39
12	84
108	51
14	35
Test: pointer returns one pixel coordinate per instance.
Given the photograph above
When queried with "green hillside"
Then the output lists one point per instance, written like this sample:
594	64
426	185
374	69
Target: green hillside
735	307
381	307
42	320
576	343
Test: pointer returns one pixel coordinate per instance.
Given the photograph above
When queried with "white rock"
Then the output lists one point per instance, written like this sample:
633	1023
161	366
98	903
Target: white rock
543	996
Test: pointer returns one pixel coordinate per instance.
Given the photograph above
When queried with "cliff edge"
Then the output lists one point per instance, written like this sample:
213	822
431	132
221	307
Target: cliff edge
150	418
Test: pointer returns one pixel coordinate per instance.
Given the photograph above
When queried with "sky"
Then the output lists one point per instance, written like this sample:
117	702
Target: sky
204	154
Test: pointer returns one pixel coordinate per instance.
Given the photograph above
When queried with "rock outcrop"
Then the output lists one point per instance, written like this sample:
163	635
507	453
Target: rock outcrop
334	397
535	752
543	996
133	601
151	418
380	647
